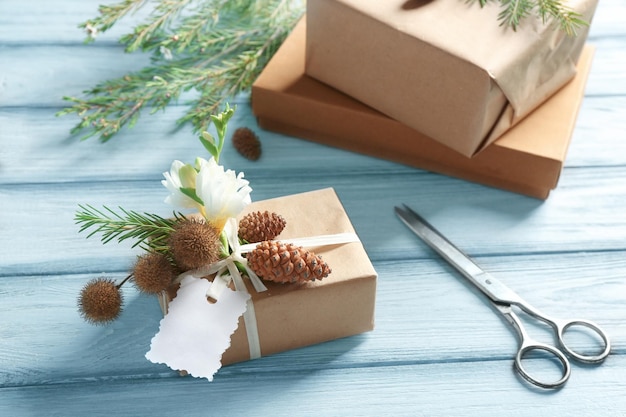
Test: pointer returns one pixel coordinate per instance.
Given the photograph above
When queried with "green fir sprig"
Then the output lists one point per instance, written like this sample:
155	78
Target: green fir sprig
514	11
149	231
216	48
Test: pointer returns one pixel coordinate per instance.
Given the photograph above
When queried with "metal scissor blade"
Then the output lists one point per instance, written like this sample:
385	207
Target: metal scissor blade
493	288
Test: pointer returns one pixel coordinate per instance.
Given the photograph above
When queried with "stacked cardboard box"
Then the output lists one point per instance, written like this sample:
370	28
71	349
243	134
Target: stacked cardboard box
526	156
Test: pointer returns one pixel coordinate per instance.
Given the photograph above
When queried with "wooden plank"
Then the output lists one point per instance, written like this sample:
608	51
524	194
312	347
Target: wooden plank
608	20
597	142
577	217
598	133
449	389
69	70
425	314
41	22
42	75
64	159
607	70
438	348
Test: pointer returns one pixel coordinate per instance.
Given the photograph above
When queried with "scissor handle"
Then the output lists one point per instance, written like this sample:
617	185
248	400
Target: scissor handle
529	346
563	326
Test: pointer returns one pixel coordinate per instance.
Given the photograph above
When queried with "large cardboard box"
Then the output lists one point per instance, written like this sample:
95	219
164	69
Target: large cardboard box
290	316
446	68
528	159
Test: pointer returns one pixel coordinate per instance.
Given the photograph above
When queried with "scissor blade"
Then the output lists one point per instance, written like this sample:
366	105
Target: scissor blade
493	288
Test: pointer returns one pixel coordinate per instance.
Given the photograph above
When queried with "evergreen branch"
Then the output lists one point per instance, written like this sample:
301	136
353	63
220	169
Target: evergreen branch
514	11
166	12
109	15
568	20
150	231
237	75
220	47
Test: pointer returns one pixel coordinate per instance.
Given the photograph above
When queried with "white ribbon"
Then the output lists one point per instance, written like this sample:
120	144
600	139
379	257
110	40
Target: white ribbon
321	240
226	271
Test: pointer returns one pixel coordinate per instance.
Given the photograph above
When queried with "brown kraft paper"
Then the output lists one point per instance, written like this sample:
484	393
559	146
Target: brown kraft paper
443	67
290	316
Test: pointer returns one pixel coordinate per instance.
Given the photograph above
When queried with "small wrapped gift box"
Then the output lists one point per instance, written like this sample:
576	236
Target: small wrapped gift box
290	316
445	68
527	159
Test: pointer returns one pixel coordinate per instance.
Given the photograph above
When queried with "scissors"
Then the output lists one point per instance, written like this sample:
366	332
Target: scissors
503	299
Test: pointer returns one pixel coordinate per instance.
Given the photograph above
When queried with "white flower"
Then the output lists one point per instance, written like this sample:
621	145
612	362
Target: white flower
223	193
180	177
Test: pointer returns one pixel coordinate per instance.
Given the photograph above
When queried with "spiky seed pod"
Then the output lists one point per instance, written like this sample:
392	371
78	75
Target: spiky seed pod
286	263
153	272
194	243
257	227
247	143
100	301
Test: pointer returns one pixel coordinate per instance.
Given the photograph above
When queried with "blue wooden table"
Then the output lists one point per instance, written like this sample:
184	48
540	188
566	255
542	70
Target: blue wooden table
438	348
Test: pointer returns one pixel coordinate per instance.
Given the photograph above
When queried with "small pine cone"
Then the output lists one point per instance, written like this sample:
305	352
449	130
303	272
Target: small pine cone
257	227
247	143
286	263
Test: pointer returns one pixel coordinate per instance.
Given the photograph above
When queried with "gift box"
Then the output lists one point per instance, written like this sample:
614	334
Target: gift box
445	68
527	159
290	316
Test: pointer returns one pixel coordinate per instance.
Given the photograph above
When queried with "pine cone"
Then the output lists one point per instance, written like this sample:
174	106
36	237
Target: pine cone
257	226
286	263
247	143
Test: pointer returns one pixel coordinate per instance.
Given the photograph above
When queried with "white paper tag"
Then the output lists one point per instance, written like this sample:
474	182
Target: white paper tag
195	333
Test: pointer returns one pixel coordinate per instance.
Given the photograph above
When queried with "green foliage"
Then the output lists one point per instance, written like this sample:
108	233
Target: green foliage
149	231
514	11
216	48
220	121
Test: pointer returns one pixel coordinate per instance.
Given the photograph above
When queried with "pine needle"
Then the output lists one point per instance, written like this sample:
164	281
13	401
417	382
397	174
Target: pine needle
149	231
515	11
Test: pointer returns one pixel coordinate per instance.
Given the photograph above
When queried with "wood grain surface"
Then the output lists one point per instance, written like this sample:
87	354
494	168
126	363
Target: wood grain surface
438	348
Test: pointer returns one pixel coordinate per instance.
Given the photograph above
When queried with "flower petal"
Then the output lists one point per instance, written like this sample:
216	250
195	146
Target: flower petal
224	193
173	184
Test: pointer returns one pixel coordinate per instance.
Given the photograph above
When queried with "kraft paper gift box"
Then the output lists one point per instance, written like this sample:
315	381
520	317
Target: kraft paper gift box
446	68
527	159
290	316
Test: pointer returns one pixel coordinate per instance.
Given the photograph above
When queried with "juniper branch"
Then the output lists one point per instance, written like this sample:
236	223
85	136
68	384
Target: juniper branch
109	15
216	48
165	13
